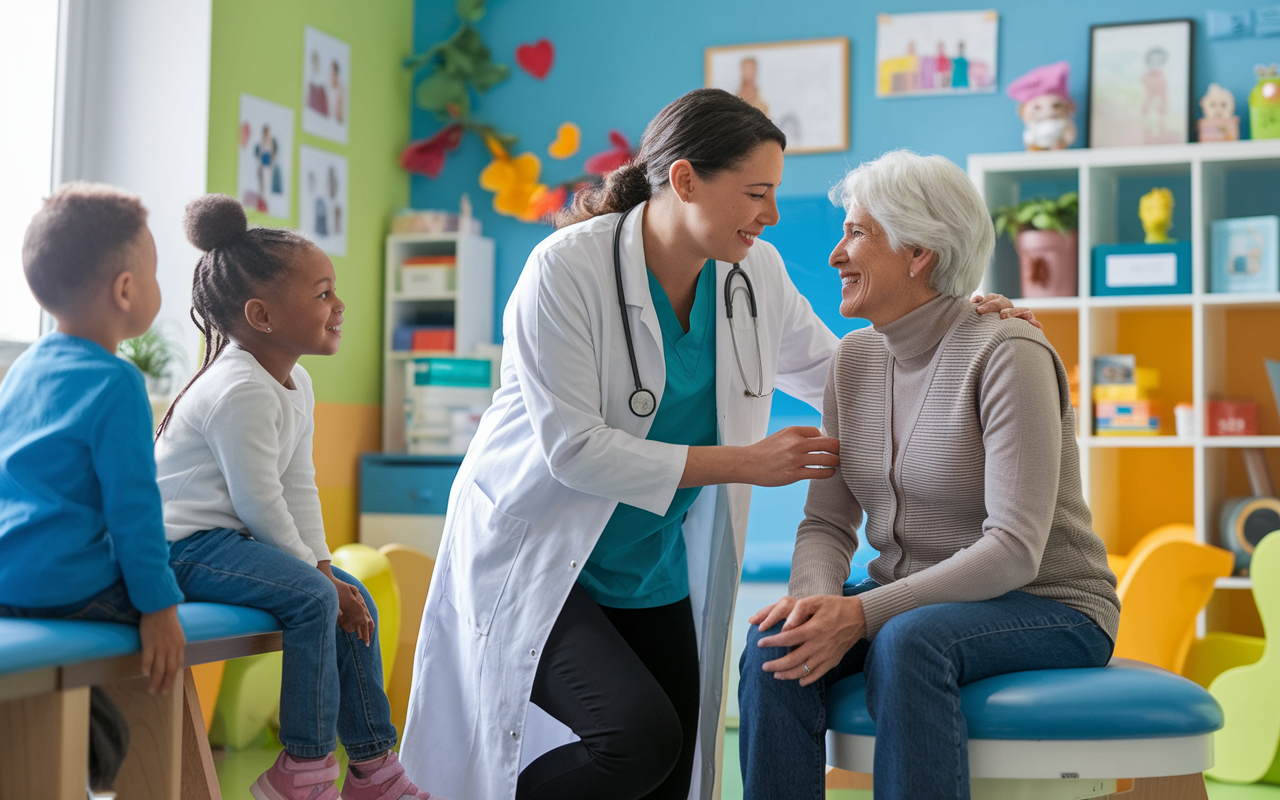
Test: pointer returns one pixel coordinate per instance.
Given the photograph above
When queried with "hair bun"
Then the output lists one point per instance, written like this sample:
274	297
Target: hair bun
214	220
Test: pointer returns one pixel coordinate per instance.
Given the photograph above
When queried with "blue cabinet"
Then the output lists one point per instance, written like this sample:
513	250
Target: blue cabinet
403	498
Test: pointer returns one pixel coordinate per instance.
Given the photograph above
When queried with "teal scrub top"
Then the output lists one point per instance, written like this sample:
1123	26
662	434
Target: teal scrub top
639	560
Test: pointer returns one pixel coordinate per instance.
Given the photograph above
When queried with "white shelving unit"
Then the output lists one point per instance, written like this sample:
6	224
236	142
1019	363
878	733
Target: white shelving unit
1197	340
471	305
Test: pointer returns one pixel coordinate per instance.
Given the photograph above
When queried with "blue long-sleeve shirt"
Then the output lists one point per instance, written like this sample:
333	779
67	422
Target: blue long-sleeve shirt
79	505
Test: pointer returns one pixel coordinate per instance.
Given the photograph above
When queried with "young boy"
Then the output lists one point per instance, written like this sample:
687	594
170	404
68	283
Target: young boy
81	528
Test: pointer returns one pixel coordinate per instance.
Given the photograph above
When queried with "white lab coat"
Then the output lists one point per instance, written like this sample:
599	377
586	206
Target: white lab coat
554	455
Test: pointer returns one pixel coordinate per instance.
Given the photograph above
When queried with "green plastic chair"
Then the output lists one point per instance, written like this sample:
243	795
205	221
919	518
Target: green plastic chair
1245	748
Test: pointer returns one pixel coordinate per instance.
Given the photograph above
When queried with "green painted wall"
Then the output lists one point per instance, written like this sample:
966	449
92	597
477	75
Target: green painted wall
257	49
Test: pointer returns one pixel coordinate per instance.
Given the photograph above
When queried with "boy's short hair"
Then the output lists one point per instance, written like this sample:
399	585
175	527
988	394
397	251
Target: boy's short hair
75	242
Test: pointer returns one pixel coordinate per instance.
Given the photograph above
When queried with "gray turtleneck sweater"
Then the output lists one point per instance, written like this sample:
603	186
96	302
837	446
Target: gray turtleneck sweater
982	494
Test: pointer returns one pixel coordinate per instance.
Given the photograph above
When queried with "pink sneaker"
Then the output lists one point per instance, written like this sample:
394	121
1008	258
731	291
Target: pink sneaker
387	782
298	780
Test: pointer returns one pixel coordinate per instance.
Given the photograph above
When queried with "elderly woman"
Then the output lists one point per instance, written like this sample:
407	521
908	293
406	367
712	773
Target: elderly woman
958	442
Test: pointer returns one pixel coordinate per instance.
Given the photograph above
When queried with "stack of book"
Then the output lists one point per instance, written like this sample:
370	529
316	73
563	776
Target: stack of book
1122	402
444	399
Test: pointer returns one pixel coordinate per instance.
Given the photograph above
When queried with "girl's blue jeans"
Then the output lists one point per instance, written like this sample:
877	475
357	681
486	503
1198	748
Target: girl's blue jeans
332	683
914	668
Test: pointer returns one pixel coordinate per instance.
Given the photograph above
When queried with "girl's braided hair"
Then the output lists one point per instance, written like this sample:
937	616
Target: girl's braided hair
238	261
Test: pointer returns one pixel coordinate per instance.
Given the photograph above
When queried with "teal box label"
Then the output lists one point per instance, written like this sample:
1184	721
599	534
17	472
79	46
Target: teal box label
1129	269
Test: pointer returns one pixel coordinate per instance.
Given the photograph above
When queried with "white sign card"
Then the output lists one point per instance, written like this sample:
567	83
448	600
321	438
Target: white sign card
326	84
265	162
322	197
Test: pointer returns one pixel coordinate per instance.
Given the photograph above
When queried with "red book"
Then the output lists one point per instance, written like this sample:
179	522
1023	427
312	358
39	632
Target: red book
434	339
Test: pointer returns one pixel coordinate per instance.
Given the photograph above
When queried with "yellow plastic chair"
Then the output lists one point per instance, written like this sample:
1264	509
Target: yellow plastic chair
1165	533
1245	749
374	570
412	569
1164	588
1218	652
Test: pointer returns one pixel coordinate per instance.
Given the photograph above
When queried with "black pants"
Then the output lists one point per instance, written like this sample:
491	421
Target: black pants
626	682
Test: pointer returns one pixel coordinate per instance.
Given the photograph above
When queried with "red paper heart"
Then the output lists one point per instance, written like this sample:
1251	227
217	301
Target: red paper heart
536	59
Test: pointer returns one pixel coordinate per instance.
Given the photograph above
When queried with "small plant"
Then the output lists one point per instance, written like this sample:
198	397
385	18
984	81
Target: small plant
152	353
1039	213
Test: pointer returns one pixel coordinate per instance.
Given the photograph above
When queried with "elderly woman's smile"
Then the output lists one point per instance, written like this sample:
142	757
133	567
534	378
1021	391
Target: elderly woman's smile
877	282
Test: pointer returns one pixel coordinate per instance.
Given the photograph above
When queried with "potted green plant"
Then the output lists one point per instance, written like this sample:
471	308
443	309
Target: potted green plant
1044	232
152	353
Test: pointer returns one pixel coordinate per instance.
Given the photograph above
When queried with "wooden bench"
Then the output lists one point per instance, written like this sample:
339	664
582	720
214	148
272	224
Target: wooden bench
46	669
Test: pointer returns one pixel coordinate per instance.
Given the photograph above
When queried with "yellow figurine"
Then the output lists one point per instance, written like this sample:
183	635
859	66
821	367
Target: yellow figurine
1155	209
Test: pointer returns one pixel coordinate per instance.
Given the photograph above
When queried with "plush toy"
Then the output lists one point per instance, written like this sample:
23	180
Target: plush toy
1155	209
1220	123
1045	107
1264	104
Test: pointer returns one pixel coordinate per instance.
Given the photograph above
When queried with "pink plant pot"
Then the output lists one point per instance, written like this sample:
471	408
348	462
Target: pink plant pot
1049	262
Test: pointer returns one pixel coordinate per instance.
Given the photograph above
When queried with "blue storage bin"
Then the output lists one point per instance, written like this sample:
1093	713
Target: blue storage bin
1129	269
404	484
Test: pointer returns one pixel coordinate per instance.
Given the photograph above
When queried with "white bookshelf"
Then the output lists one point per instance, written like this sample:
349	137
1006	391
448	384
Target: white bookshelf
471	304
1195	338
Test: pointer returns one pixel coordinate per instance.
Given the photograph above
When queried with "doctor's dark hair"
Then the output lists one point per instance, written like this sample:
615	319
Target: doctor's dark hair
710	128
237	264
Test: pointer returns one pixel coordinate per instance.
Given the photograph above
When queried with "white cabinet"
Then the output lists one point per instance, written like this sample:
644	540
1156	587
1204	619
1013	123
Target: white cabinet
1207	346
467	308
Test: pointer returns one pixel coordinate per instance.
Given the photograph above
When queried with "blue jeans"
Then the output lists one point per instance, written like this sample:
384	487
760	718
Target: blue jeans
109	605
332	682
915	667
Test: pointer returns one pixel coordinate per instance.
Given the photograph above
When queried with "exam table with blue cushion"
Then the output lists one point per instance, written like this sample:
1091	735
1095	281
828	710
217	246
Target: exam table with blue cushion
1060	734
46	669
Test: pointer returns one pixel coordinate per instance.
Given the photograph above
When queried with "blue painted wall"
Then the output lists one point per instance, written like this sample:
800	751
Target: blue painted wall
617	64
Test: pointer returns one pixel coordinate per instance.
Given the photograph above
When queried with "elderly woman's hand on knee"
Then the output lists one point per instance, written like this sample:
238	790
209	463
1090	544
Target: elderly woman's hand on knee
819	630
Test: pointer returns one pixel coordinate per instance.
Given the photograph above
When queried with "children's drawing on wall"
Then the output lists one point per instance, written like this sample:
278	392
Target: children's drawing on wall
265	156
326	70
949	52
323	215
1140	83
803	86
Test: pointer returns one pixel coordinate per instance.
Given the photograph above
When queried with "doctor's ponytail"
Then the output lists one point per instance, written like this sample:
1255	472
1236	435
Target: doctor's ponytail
710	128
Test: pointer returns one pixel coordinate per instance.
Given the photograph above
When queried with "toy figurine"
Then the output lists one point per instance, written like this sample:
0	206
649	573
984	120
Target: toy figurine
1155	209
1264	103
1045	107
1220	123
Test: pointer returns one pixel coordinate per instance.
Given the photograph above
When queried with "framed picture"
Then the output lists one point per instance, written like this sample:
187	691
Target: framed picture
326	70
803	86
1245	254
1140	83
322	197
265	156
946	52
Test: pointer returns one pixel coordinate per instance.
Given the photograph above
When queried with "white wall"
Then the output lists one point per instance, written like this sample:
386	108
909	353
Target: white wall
134	100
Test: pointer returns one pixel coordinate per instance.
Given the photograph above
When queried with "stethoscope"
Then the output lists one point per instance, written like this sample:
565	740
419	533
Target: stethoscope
642	401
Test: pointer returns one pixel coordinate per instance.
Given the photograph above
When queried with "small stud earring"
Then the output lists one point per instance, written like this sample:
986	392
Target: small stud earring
909	274
269	329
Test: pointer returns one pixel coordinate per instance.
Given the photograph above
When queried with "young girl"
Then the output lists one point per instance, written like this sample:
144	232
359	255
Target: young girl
241	509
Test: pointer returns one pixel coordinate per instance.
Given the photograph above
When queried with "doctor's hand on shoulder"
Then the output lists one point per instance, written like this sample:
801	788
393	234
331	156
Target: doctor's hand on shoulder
792	454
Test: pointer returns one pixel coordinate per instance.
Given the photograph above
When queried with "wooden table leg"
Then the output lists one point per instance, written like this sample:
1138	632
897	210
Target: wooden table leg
45	738
153	768
199	779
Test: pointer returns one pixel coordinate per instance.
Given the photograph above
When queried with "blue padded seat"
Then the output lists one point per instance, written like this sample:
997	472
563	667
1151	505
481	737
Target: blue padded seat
1125	700
27	644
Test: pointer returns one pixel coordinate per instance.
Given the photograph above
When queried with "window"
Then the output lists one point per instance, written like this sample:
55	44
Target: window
28	69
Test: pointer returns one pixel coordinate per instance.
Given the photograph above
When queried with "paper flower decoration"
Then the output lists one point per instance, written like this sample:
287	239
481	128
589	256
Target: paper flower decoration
545	201
427	156
609	160
512	180
568	137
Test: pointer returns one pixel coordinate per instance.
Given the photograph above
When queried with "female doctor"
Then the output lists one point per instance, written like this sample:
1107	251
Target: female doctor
573	642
